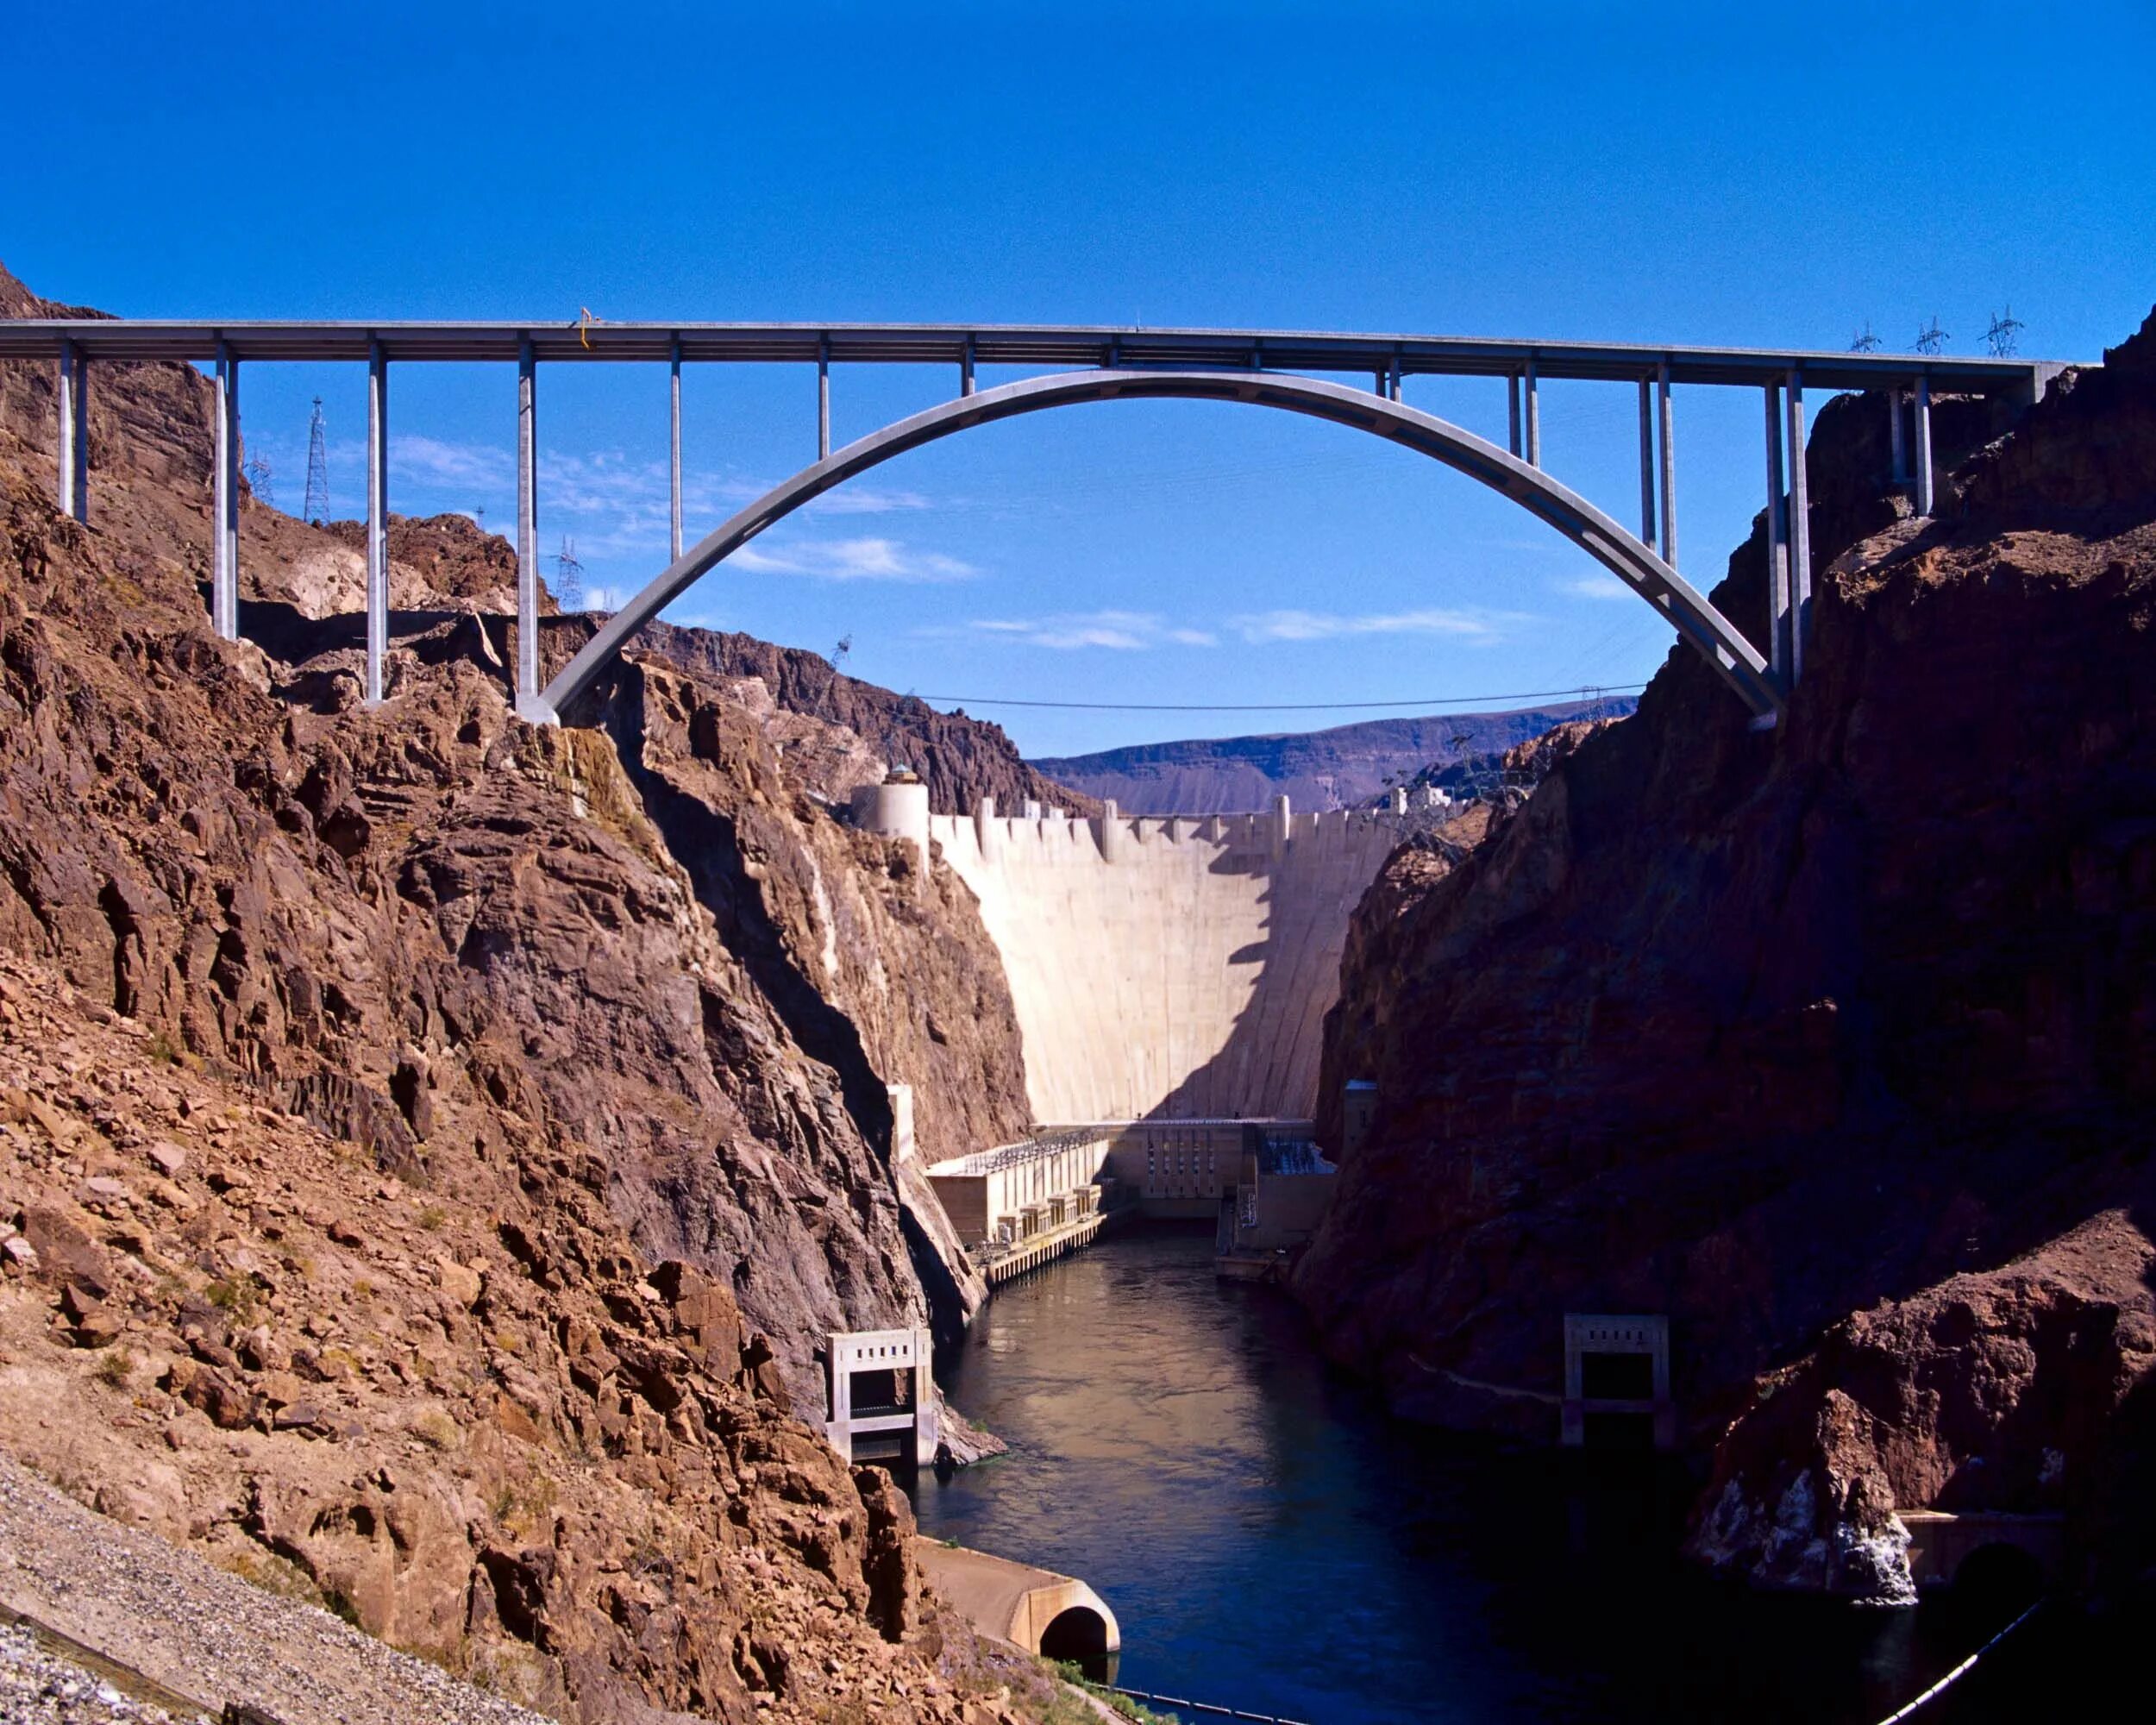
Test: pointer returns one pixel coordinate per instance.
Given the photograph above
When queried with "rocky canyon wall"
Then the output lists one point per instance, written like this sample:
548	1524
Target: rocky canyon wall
1761	1032
433	1148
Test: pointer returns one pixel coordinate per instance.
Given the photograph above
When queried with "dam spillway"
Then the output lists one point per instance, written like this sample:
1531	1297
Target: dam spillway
1172	967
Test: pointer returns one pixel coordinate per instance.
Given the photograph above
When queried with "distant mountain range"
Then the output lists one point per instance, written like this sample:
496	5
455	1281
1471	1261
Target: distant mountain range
1317	769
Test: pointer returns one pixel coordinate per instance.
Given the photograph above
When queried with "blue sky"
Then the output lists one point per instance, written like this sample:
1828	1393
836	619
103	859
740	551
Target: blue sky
1722	174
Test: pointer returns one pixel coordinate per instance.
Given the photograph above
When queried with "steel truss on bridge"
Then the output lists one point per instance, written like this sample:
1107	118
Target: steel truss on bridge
1267	367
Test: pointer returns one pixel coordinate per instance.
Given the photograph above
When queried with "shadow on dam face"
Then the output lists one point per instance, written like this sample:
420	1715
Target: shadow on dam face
1175	966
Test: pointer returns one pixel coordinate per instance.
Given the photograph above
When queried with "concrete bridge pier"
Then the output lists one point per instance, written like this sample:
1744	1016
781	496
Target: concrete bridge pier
674	439
73	402
1800	511
527	529
1534	416
1778	547
377	519
1924	498
1669	463
224	548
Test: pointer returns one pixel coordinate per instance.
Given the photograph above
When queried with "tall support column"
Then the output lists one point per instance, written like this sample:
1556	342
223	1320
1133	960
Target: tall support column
1778	547
1800	533
74	432
965	370
673	442
1534	418
1392	389
822	397
1512	412
224	550
1924	497
1898	435
1646	461
527	525
1669	465
377	519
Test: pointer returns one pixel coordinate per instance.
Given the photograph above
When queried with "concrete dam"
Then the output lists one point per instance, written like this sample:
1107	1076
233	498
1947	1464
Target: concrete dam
1164	968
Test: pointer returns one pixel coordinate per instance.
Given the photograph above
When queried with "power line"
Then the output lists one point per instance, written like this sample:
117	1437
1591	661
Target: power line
1585	692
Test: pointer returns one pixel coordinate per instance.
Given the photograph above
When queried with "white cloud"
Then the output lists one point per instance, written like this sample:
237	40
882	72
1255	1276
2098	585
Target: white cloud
620	510
1126	631
867	559
432	461
1598	585
1322	625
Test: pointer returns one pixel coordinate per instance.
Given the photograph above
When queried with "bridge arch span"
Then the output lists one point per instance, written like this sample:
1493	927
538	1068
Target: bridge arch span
1624	555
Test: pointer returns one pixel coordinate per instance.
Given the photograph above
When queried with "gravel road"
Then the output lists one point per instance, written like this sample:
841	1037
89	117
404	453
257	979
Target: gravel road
193	1629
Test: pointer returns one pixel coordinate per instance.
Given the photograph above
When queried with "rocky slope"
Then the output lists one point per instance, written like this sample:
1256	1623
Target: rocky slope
1763	1030
960	759
1374	958
462	1408
427	950
1339	767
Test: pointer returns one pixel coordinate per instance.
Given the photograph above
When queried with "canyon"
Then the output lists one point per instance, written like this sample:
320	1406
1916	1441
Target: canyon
438	1148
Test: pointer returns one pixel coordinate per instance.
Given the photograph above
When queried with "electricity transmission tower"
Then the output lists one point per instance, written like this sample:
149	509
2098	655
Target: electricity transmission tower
259	479
317	504
1865	341
1931	338
569	578
2004	336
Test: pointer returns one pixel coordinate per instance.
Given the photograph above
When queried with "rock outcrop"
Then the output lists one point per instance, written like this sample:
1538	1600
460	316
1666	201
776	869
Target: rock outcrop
462	1408
481	1125
1761	1031
959	759
2026	1390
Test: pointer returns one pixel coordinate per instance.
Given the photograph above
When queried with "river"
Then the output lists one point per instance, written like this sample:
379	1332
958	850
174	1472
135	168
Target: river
1270	1540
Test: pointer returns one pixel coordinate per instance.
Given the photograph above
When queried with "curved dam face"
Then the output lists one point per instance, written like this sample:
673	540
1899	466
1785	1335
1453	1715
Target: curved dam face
1177	967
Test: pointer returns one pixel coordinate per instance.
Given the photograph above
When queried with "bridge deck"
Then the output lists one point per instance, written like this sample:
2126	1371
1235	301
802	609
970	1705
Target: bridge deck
1076	346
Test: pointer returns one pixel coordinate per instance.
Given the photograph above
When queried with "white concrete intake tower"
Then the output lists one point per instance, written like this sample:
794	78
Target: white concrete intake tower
1178	967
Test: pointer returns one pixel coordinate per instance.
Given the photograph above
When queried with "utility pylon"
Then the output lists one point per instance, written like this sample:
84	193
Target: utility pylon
316	508
259	479
569	578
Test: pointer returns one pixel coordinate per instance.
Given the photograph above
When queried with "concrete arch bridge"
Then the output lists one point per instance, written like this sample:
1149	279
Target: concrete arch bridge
1265	369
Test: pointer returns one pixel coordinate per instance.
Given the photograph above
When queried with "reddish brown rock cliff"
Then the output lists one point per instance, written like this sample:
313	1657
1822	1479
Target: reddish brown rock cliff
445	1150
1760	1029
